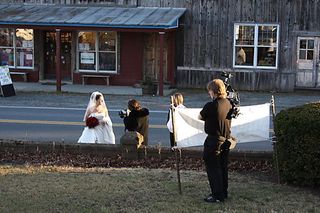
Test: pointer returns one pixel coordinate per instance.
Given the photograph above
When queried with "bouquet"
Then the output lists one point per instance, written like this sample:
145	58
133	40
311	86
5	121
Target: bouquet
92	122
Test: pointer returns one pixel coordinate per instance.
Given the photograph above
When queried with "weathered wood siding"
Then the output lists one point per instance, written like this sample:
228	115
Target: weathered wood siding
208	39
208	36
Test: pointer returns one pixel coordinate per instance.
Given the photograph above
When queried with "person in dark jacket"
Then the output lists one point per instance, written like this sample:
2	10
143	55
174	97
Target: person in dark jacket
217	125
137	120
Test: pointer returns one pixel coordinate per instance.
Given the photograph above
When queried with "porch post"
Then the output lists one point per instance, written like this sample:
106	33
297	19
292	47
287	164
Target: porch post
58	60
161	38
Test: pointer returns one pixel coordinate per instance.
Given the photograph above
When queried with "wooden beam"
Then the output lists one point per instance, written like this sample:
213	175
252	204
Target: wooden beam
58	60
161	38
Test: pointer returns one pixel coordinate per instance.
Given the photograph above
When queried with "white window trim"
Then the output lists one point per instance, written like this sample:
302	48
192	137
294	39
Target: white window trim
14	47
96	51
298	49
255	46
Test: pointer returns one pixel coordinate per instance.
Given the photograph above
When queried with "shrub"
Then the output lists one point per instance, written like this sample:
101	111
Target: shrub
298	144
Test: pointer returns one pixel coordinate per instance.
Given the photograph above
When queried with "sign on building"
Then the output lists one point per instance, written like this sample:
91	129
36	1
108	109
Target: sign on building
87	58
7	88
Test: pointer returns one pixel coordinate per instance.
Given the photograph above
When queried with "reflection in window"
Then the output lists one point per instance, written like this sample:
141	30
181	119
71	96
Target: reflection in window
255	49
104	56
87	41
24	44
24	38
107	51
107	61
87	60
6	56
244	35
107	41
244	56
306	49
87	50
24	57
6	47
6	37
267	35
267	56
18	53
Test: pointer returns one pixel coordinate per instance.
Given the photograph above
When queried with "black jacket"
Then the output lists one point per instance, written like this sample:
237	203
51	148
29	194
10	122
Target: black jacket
138	120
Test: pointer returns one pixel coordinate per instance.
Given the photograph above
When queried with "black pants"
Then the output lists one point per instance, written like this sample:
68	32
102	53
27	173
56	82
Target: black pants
217	168
172	144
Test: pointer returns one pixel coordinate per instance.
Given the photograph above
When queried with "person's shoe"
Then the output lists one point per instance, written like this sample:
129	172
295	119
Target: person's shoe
212	199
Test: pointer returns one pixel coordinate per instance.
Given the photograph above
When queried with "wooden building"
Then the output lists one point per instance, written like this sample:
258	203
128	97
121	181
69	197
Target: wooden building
267	44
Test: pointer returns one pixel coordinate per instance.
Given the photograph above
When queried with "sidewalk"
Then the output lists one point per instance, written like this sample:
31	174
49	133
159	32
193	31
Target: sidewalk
78	88
74	95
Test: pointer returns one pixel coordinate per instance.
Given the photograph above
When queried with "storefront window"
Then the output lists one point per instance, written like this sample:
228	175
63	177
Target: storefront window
107	61
255	46
6	37
6	56
87	51
20	53
24	57
107	41
107	51
104	55
87	61
6	47
87	41
24	47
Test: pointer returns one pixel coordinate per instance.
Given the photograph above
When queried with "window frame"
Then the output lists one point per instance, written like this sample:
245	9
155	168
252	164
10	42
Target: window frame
255	46
97	52
305	49
15	48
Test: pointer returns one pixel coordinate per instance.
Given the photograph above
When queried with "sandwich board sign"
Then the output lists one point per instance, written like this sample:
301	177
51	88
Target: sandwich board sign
6	82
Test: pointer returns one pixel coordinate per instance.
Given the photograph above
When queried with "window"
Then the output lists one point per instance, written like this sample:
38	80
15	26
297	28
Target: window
97	51
16	48
24	48
255	46
87	51
6	47
306	48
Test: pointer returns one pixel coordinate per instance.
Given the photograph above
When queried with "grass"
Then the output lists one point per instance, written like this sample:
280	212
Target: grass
70	189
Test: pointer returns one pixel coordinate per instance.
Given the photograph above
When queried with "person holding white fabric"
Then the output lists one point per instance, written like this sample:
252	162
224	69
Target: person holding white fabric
216	115
98	123
177	103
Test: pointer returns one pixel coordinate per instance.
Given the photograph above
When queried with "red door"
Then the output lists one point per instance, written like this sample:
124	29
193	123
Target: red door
50	55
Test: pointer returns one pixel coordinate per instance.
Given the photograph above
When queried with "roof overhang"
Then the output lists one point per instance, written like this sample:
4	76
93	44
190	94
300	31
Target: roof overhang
53	16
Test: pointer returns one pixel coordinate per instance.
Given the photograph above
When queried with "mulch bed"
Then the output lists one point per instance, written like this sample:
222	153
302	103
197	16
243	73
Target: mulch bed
90	160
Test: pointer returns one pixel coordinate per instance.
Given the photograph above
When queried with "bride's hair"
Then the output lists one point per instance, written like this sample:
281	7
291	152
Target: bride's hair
98	97
95	96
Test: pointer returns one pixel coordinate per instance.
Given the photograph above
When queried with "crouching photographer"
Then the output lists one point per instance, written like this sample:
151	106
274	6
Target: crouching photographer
136	118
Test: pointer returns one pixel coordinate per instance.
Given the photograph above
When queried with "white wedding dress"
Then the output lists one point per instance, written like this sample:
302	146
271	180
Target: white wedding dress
103	133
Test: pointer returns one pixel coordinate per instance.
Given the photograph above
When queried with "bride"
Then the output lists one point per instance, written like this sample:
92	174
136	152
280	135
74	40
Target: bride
103	132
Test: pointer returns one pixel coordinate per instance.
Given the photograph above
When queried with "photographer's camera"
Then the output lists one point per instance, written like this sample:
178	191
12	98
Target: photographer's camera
123	113
233	95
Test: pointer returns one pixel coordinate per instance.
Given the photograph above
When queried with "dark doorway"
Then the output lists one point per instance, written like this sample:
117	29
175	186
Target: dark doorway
50	55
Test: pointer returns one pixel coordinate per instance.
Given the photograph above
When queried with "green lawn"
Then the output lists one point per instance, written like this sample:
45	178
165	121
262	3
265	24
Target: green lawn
69	189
